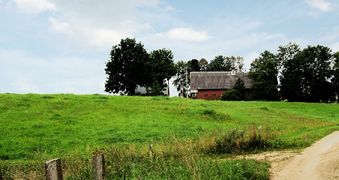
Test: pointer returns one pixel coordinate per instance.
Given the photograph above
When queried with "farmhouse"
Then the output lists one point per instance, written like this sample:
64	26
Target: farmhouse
212	85
141	90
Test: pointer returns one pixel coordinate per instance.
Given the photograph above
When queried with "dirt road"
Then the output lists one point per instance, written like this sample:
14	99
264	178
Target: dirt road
320	161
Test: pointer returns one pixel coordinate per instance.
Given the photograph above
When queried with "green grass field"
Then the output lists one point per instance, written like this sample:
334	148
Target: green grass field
41	127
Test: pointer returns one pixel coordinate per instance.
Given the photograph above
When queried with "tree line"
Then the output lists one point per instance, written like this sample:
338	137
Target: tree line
295	74
130	65
292	73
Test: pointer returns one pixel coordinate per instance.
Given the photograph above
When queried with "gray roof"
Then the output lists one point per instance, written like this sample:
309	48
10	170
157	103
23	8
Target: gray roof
218	80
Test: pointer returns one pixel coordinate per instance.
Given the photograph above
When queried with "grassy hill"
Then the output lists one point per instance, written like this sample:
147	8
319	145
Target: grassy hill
40	127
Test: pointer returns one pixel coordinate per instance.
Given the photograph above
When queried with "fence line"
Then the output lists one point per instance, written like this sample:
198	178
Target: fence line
53	168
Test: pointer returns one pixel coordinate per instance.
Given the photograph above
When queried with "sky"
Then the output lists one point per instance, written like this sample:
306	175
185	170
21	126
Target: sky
61	46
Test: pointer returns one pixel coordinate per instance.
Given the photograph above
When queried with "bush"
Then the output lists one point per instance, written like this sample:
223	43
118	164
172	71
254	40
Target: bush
238	141
236	95
232	95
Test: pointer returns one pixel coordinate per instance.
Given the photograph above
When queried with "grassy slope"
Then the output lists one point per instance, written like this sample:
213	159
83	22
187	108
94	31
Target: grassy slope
45	126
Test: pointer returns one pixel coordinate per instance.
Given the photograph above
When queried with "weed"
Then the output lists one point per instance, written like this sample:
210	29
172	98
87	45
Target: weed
212	114
237	141
264	108
47	97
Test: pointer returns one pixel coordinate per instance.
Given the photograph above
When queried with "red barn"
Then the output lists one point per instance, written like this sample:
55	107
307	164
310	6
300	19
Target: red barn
212	85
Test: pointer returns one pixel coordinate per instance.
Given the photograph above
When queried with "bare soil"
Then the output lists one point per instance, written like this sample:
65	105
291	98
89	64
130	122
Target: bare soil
319	161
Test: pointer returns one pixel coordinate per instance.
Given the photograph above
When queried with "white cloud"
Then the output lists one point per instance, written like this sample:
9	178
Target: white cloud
59	26
148	2
101	37
185	34
101	25
321	5
34	6
87	36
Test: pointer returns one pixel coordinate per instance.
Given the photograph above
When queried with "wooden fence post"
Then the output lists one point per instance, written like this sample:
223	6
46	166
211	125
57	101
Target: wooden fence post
99	166
150	150
53	169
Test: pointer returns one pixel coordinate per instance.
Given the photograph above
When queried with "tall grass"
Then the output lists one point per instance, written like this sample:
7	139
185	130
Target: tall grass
177	164
238	141
174	160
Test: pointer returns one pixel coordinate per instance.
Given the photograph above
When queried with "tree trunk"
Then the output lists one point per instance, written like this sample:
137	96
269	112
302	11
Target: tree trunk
131	91
168	87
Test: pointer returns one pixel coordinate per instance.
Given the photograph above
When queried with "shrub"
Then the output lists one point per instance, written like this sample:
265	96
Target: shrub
231	95
237	93
237	141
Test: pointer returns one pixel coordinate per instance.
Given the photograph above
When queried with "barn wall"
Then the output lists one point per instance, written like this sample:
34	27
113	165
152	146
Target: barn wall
210	94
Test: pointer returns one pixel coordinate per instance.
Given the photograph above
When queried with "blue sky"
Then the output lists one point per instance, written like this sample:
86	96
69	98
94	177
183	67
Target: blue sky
61	46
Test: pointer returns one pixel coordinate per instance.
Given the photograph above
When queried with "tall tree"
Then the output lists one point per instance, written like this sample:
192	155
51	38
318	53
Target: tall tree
316	69
264	72
336	74
239	64
161	68
221	63
203	63
193	65
126	68
229	63
287	53
182	78
291	72
305	75
217	64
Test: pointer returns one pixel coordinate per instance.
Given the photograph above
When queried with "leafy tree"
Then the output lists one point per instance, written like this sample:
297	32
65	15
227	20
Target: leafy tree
305	77
287	53
217	64
264	72
316	72
193	65
239	64
229	63
220	63
291	72
239	85
336	74
126	68
182	78
203	63
161	68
